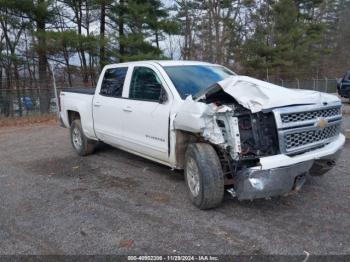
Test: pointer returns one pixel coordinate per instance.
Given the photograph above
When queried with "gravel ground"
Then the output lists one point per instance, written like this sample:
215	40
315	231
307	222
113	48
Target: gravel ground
346	106
346	123
55	202
346	117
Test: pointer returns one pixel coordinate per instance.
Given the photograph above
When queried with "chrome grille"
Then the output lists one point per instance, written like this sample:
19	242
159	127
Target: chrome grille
310	115
298	139
299	129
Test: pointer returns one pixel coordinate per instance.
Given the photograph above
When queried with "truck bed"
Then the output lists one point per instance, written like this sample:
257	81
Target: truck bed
78	100
84	90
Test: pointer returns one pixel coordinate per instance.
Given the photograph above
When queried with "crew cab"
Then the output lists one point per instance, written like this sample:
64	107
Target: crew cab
227	132
344	86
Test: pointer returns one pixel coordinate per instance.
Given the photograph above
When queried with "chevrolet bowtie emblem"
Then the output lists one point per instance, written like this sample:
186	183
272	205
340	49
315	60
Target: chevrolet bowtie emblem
321	123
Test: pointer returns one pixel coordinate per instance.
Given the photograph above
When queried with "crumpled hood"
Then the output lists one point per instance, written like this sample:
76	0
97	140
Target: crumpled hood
258	95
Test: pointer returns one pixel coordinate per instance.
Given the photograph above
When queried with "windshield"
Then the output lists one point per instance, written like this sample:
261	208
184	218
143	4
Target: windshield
192	79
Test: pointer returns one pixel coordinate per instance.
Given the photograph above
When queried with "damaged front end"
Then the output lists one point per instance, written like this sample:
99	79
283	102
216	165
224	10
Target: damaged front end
239	136
241	125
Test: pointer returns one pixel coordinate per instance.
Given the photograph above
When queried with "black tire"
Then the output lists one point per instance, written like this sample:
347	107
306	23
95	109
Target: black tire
85	146
202	159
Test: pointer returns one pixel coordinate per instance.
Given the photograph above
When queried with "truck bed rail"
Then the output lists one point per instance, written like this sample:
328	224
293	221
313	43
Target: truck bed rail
86	91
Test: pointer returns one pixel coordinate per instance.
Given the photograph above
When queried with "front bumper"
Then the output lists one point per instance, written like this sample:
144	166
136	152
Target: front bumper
251	184
259	182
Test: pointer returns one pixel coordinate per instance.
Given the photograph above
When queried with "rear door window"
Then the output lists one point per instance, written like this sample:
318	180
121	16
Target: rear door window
113	82
145	85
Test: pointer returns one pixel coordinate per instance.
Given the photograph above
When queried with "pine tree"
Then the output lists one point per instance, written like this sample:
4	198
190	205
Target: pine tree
289	43
140	23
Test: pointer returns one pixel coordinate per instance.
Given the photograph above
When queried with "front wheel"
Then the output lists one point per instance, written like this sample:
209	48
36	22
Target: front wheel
204	176
82	145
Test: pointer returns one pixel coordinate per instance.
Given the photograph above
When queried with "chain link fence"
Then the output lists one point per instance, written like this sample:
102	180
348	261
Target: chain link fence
28	97
29	100
322	85
15	103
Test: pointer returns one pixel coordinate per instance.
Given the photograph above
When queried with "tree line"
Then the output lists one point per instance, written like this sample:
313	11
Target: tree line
269	39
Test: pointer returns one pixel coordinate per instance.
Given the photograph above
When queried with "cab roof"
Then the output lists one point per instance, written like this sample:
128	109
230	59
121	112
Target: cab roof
165	63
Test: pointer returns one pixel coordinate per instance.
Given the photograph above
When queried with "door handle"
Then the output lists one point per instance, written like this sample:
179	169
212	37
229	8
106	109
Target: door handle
97	104
127	109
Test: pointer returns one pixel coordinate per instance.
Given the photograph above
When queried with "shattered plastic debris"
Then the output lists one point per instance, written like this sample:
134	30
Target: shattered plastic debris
212	131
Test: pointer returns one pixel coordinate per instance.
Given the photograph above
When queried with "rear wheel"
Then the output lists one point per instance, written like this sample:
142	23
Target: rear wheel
82	145
204	176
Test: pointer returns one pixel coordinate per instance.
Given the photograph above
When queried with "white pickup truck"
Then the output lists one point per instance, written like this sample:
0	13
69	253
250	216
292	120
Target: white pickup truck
228	132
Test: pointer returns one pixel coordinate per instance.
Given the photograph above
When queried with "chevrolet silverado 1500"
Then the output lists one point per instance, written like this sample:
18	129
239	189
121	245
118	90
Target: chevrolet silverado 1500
227	132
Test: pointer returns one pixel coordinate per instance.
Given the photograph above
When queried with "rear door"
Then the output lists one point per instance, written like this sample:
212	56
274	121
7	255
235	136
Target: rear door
146	113
108	105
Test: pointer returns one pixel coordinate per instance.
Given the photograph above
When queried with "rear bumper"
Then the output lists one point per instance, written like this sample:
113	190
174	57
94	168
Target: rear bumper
254	183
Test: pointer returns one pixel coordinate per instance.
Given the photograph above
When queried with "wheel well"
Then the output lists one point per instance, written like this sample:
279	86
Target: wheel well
183	139
72	115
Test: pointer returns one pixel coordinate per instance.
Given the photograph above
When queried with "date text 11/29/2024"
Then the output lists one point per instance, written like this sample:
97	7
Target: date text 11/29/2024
173	258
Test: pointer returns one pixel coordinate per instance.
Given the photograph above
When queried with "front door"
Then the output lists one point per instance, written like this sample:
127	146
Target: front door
146	114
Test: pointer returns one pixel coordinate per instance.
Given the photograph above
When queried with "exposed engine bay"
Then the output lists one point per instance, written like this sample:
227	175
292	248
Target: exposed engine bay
257	133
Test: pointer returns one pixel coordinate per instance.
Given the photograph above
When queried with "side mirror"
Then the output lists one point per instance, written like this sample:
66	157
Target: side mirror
163	96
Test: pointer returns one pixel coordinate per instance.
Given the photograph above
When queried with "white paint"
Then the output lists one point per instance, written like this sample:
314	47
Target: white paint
197	117
284	160
128	129
258	95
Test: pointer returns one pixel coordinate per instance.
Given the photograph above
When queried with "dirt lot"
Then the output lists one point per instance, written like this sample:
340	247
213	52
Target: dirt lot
54	202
